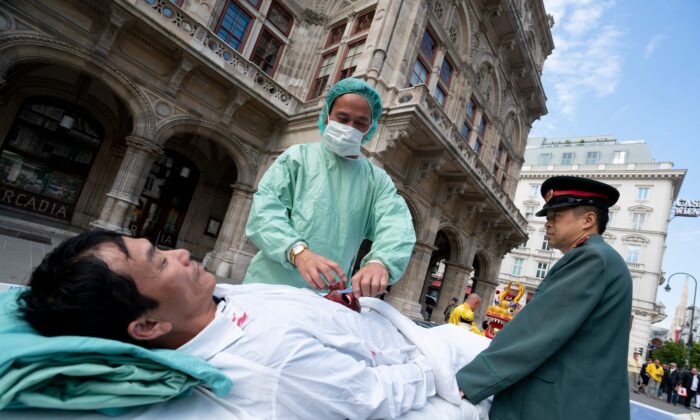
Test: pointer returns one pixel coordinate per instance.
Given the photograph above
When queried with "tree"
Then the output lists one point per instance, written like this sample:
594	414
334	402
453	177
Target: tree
671	352
695	355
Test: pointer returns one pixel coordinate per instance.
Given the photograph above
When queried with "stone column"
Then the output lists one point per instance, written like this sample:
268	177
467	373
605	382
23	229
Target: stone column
485	288
232	252
405	294
454	283
128	184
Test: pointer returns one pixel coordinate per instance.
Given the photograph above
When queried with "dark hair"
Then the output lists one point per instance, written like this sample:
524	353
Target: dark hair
601	216
73	292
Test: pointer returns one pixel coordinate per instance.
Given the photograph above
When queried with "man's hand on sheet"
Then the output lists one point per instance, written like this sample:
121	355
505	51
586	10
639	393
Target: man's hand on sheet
314	268
370	280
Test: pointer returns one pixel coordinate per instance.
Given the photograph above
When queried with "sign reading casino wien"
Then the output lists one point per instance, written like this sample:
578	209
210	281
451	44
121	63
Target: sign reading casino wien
687	208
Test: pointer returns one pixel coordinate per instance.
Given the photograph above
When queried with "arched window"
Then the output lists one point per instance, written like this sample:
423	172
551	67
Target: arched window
46	157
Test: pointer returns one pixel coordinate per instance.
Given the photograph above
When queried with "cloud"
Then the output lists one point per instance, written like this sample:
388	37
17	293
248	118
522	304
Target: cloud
587	59
654	43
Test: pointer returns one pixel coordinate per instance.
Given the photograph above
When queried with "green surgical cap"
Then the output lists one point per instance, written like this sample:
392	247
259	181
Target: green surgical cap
359	87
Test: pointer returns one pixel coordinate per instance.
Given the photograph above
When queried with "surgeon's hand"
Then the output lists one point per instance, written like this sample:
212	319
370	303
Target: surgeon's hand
314	268
370	280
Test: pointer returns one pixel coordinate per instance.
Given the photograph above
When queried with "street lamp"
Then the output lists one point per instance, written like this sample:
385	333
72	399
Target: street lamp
692	313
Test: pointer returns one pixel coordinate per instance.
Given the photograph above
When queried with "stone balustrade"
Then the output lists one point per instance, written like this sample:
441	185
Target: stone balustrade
174	20
419	96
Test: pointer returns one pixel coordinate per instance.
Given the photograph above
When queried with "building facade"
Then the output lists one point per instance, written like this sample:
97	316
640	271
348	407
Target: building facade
157	118
638	221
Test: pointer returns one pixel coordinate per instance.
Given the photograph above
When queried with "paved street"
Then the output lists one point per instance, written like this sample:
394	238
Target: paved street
678	409
22	247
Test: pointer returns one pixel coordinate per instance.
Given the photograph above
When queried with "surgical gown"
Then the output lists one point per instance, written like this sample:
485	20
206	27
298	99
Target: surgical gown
332	203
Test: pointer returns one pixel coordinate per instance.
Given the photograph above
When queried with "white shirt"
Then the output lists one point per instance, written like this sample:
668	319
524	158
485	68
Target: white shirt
293	354
694	385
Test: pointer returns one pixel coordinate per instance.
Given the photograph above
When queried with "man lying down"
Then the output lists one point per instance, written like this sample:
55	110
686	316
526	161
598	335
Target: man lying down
290	352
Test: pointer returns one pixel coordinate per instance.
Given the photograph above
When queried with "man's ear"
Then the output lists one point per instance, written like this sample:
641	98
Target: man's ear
590	220
145	328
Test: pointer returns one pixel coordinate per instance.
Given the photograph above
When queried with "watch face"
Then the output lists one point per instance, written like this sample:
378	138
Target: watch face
297	249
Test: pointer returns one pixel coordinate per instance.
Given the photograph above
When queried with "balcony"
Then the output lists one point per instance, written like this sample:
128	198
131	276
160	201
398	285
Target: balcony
206	46
635	266
617	167
418	97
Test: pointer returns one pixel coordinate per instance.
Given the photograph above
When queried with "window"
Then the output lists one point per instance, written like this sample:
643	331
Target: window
280	18
619	156
544	158
643	193
234	25
335	35
633	253
471	110
567	158
323	74
517	266
468	122
482	125
529	212
352	57
440	95
541	270
638	220
267	52
592	158
477	146
444	81
424	60
545	244
236	21
465	130
340	56
419	75
534	190
363	22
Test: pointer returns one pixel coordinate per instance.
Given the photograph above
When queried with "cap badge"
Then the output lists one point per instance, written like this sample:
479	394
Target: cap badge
548	195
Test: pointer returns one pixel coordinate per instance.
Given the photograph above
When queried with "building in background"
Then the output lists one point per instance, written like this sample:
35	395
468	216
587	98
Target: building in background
157	118
638	221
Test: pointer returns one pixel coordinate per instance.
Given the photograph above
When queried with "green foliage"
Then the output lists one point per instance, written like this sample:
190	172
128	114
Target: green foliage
695	355
672	352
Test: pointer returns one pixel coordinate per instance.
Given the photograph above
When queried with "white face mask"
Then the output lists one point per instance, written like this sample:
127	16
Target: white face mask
342	139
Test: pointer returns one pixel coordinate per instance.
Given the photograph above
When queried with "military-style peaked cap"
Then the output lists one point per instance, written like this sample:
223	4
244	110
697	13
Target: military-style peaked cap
570	191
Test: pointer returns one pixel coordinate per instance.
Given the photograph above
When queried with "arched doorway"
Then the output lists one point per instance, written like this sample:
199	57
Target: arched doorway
165	199
46	157
435	274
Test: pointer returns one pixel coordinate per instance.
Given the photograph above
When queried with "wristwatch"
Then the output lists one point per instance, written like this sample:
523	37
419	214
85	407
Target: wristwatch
296	249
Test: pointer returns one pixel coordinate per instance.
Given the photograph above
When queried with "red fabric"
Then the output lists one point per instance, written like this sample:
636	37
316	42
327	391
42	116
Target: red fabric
346	299
579	194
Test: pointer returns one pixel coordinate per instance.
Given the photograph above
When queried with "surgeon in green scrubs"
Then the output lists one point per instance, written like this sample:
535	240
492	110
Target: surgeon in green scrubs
318	201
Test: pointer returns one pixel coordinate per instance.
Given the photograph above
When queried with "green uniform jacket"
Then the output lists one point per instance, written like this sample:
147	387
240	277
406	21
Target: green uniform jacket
564	356
332	203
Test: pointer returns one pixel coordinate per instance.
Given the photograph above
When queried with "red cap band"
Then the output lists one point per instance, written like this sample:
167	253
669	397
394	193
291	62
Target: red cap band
580	194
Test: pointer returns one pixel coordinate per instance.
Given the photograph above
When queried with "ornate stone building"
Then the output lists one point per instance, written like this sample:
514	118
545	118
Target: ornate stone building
638	221
157	117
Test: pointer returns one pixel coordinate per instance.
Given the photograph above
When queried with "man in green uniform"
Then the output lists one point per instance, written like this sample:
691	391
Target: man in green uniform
317	202
564	355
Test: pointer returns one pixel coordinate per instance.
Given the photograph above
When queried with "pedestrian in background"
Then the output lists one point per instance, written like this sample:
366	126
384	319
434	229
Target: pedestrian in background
644	376
634	364
672	379
450	307
690	383
656	373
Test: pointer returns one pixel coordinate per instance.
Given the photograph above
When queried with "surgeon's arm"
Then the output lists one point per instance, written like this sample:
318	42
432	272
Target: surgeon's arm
525	342
269	226
392	230
317	381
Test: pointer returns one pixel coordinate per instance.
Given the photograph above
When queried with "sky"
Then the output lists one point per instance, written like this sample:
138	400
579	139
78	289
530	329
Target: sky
631	69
